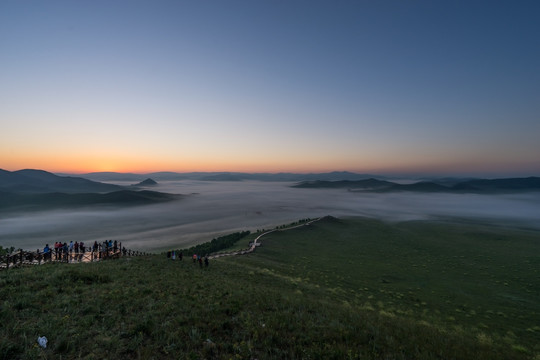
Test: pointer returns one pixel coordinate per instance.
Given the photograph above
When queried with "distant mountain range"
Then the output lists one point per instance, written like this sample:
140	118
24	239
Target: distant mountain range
55	200
38	189
39	181
467	186
226	176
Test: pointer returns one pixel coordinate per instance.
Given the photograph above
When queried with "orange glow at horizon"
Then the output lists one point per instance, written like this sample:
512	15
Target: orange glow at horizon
241	160
78	164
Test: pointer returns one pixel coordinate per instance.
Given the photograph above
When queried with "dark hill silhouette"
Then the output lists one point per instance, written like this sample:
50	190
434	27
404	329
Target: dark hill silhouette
423	186
366	184
469	186
39	181
14	201
228	176
38	189
147	182
511	184
222	177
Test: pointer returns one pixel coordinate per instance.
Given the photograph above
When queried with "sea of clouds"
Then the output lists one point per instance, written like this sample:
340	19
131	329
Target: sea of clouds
209	209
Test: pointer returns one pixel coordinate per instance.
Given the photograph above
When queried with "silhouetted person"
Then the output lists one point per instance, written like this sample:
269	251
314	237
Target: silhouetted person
46	252
65	249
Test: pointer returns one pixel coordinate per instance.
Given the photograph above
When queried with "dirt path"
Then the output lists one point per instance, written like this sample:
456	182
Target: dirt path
256	241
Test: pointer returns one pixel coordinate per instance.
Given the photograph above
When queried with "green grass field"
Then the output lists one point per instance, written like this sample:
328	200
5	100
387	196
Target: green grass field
336	289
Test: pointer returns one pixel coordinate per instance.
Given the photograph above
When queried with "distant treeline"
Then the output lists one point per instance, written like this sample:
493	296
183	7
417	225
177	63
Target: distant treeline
222	242
299	222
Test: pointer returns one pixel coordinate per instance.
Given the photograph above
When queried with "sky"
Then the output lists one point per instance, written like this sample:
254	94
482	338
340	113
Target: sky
388	87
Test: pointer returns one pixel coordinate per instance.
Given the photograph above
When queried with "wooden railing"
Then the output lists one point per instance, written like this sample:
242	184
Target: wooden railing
23	258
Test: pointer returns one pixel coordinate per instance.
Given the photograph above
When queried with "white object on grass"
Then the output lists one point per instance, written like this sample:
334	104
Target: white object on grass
42	341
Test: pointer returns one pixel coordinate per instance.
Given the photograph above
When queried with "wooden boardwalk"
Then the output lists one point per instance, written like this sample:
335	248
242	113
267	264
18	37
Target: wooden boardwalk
28	258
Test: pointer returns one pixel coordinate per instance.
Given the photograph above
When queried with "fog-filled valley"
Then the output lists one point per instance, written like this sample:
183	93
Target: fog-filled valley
214	208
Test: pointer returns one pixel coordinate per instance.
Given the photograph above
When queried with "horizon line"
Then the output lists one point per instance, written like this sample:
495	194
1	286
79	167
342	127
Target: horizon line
416	174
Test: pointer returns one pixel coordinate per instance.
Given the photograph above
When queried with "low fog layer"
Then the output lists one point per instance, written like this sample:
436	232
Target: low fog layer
218	208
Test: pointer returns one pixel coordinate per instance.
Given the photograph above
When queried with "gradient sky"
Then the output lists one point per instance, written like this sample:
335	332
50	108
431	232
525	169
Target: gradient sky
438	87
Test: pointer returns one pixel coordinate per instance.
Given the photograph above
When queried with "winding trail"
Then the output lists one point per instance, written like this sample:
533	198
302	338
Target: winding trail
256	241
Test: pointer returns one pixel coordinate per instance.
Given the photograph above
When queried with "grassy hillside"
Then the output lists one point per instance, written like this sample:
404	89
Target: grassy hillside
337	289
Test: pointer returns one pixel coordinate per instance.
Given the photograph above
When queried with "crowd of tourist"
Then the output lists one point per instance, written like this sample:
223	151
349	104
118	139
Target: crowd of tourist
76	250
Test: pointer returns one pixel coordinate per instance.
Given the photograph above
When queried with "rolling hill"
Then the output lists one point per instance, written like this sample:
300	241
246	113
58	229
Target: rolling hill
350	288
226	176
14	201
39	181
469	186
39	190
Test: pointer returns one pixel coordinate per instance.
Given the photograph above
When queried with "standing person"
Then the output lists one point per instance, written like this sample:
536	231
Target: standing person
71	246
76	248
65	249
81	247
95	248
206	260
173	255
180	256
194	258
46	252
60	248
200	262
115	246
